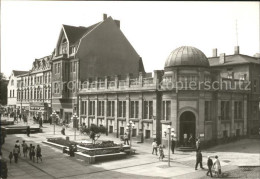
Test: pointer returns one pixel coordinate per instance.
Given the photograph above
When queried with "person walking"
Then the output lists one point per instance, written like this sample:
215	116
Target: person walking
161	153
190	141
33	153
185	136
217	166
38	153
198	160
11	157
126	139
63	129
16	153
40	122
173	139
209	164
198	144
154	145
25	149
30	151
17	143
28	131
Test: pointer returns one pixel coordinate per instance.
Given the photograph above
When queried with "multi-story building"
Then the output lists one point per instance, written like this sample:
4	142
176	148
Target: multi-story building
12	91
34	90
83	52
206	98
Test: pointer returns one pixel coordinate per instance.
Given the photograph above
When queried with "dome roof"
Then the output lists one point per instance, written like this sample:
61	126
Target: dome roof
187	56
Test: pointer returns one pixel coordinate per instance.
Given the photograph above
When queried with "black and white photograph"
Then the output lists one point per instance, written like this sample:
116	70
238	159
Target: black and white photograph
129	89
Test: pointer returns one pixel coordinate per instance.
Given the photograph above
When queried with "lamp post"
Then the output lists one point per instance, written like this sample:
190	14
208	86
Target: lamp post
130	126
170	134
74	118
53	116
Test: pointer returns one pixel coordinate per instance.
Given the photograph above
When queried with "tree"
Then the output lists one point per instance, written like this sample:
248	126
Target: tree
94	132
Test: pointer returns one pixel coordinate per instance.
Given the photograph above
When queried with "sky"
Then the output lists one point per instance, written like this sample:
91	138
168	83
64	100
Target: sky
30	29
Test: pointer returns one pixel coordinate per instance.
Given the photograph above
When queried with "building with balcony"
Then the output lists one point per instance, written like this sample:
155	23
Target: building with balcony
84	52
12	91
205	97
34	90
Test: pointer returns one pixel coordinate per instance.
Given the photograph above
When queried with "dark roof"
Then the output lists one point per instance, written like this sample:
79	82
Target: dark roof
75	33
233	60
16	73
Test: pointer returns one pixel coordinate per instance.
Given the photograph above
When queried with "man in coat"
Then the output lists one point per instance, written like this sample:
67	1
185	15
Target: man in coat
198	160
210	164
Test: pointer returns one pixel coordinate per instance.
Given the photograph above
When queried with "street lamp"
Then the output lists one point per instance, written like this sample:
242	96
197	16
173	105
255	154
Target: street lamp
130	126
74	119
53	116
170	134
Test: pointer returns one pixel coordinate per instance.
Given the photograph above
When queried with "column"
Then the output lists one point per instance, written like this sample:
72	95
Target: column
116	114
96	108
105	113
232	127
127	114
140	124
141	79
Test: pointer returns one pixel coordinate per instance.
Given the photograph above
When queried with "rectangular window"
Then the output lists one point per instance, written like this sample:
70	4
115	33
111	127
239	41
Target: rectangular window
147	134
91	108
133	132
148	109
74	66
238	110
101	108
83	107
134	109
166	110
111	108
58	71
121	108
207	110
224	110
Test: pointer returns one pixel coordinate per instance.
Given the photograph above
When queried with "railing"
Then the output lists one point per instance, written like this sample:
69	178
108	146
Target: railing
92	85
147	81
134	82
122	83
111	84
101	85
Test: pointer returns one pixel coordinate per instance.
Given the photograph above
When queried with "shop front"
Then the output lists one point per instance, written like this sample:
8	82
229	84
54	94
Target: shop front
40	110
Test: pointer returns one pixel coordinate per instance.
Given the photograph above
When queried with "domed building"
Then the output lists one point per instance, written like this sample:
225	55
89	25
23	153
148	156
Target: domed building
196	96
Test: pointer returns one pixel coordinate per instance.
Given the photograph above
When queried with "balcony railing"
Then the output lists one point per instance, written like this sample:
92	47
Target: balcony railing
147	81
122	83
134	82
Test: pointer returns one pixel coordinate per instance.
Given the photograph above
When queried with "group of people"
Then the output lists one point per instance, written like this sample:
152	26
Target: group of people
38	120
157	148
32	150
20	116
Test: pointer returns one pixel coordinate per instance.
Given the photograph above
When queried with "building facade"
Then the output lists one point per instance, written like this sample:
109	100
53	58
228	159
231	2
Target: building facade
34	90
12	91
88	52
193	94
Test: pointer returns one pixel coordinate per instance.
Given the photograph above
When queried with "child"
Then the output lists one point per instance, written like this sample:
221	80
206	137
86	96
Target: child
11	156
161	153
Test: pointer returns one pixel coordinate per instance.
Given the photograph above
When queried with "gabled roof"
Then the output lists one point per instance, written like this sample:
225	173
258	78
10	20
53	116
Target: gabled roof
16	73
233	60
75	33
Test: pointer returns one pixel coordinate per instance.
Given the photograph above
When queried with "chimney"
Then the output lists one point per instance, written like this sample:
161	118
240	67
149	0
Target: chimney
214	52
222	58
236	50
104	17
117	23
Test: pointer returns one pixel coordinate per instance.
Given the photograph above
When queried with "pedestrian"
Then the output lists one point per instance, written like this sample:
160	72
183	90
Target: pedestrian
63	129
185	136
17	143
33	153
28	131
15	119
40	122
126	139
20	117
154	145
16	153
198	160
11	156
3	168
173	138
198	144
190	141
34	119
25	149
161	153
30	151
217	166
50	120
209	164
38	153
71	150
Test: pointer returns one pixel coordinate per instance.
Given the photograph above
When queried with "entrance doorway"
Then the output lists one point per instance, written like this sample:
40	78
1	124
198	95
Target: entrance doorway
187	127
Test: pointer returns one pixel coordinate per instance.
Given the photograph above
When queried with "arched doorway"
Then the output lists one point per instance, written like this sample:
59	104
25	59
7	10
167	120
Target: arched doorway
187	125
